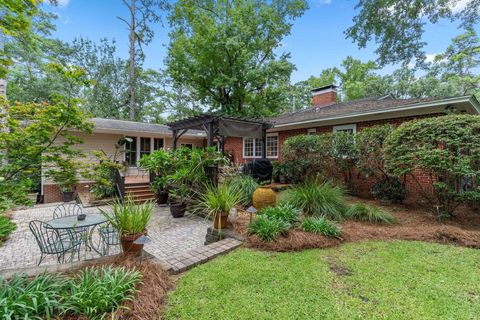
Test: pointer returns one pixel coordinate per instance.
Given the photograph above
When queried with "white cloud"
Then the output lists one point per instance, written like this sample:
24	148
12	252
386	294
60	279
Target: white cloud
430	57
63	3
459	6
324	2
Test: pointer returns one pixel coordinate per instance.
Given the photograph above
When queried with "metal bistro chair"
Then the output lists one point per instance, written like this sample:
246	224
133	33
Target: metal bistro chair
109	236
67	210
51	242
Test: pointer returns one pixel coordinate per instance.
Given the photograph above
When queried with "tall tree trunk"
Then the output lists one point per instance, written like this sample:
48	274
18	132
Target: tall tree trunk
3	90
133	75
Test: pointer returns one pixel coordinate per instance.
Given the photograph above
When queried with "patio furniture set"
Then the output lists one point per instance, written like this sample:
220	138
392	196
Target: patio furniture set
70	230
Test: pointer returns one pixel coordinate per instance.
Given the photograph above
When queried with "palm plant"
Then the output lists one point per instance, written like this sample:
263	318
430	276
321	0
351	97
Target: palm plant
217	202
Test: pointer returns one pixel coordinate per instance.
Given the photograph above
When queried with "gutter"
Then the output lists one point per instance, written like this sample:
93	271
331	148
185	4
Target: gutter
471	99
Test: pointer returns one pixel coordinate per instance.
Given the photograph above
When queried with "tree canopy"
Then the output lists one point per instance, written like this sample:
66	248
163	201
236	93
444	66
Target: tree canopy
226	52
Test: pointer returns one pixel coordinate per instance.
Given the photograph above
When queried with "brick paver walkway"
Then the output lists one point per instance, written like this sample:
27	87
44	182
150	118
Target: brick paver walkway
169	237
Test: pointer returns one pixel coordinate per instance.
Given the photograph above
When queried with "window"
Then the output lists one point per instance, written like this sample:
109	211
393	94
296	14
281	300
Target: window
187	145
312	131
145	146
352	128
131	152
157	144
252	147
272	146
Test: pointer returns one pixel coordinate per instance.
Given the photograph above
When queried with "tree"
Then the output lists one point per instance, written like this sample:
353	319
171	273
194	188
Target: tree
141	14
446	150
37	135
459	62
356	78
226	52
398	26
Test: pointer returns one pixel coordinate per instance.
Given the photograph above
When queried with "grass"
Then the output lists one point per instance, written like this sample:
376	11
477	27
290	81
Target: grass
367	280
319	200
366	213
245	185
321	226
284	211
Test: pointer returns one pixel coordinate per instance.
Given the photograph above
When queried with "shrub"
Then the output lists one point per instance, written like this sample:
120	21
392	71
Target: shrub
267	229
371	157
284	211
320	200
446	149
390	189
39	298
363	212
321	226
245	185
344	154
6	227
97	291
128	217
102	172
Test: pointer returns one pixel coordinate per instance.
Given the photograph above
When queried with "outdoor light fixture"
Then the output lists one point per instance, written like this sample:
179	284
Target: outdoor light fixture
251	210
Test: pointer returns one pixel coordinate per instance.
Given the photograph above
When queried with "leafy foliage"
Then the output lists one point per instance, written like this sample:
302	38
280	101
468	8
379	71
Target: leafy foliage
284	211
445	149
267	228
98	291
102	172
226	52
321	226
390	188
129	218
6	227
246	186
363	212
319	200
39	298
14	193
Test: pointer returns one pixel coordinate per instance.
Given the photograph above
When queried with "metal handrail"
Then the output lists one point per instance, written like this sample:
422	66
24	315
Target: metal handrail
119	184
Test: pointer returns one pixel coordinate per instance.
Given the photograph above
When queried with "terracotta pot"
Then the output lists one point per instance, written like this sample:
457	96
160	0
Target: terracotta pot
67	196
162	197
220	221
178	209
128	245
264	197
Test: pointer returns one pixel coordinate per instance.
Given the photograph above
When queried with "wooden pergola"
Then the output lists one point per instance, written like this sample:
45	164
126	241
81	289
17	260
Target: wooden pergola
219	127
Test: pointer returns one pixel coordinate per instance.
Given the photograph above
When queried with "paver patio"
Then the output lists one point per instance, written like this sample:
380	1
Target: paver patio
169	237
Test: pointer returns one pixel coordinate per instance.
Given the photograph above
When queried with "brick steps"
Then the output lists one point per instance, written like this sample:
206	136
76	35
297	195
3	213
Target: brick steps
139	192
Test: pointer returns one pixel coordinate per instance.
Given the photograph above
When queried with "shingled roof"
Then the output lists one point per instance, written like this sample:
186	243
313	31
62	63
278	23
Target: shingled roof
134	126
347	108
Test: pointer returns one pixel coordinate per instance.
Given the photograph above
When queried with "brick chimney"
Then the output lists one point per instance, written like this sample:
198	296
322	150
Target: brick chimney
324	96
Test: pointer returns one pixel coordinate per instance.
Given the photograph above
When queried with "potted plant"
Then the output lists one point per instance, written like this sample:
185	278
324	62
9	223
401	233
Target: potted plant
217	202
178	203
131	221
159	187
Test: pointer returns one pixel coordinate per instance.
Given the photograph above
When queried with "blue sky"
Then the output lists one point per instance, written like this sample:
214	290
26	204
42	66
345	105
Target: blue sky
316	42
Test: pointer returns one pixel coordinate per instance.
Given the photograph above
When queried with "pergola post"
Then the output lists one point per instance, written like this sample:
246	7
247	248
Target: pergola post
264	143
210	134
174	140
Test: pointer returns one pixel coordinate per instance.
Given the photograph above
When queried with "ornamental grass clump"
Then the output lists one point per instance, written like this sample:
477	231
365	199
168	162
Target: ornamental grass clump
37	298
128	217
366	213
267	228
318	200
98	291
245	185
284	211
321	226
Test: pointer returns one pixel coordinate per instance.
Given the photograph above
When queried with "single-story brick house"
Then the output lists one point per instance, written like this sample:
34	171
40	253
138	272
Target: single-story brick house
325	115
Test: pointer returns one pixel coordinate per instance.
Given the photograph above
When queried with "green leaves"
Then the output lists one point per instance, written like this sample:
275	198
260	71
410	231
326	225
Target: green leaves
225	51
444	149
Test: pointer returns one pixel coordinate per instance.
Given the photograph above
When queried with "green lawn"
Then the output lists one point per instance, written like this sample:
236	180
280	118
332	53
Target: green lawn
370	280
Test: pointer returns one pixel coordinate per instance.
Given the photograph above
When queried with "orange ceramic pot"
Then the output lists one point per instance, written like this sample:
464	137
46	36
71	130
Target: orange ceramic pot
220	221
264	197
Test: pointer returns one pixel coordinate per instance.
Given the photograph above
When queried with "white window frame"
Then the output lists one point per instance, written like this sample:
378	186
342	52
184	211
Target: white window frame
345	127
255	146
312	131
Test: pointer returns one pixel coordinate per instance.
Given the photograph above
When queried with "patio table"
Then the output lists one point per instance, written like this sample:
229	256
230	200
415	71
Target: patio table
91	221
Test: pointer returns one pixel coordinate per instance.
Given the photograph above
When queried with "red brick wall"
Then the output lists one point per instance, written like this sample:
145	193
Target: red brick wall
52	193
324	99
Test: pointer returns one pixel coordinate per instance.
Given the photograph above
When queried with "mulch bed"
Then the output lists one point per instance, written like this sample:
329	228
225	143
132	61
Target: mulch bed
152	291
415	223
